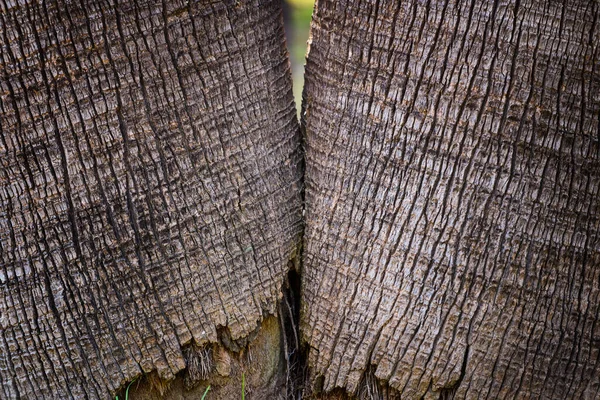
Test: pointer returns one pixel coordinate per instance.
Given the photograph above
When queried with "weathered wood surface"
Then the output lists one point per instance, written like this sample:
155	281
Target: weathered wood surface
150	185
452	243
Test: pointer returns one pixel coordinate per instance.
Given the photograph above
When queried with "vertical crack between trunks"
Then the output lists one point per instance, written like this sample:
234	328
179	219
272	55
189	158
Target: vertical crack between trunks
289	316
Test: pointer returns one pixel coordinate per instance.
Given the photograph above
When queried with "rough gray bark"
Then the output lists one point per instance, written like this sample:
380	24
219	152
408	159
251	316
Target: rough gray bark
452	244
149	186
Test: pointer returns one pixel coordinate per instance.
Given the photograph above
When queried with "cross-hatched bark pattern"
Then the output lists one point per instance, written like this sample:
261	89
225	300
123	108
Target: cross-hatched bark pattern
452	190
149	185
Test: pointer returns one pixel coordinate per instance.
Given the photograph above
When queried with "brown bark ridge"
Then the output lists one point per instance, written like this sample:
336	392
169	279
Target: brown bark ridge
452	244
150	181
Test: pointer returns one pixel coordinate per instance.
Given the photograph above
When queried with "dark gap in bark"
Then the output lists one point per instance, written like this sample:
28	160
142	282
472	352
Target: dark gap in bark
369	388
372	388
294	351
447	394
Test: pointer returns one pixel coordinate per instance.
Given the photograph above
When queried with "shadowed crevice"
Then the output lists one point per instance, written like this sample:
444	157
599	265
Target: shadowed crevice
294	349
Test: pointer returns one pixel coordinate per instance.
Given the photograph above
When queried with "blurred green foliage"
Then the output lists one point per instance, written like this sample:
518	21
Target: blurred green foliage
300	13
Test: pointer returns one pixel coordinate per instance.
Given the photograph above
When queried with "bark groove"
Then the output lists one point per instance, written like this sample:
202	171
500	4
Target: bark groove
150	180
452	239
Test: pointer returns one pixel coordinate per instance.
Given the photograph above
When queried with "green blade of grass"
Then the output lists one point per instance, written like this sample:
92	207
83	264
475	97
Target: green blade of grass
127	390
205	393
243	386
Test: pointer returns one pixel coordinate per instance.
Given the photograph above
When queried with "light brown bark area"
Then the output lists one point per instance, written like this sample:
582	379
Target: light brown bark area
149	186
260	368
453	206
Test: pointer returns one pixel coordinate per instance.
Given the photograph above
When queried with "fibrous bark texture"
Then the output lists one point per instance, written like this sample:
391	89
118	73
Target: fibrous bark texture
258	369
453	208
149	186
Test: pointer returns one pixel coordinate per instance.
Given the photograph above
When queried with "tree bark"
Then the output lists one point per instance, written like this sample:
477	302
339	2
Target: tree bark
150	181
452	244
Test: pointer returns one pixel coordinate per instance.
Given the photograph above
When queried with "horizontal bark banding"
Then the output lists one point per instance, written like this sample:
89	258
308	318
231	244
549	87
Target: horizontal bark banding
452	180
150	180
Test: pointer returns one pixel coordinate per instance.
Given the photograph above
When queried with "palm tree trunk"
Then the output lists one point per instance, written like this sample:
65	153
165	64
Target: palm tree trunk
150	184
452	244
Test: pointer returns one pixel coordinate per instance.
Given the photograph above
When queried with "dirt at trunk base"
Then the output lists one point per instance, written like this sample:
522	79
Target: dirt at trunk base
260	364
